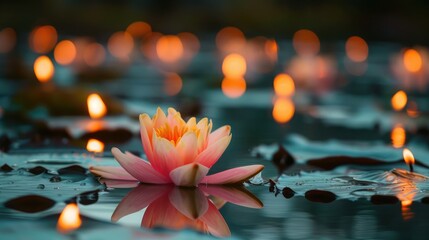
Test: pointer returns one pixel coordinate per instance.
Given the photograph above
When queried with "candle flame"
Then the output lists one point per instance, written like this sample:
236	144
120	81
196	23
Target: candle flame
412	60
408	156
96	107
95	145
69	219
356	49
398	136
284	85
399	100
234	66
43	68
65	52
169	48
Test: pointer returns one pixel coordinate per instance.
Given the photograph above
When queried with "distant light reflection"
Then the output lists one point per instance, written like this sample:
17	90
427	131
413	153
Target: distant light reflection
398	136
233	87
283	110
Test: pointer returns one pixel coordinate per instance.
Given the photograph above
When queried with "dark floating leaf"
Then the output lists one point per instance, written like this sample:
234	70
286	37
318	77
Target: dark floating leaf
320	196
282	159
5	143
30	203
37	170
120	135
288	192
425	200
329	163
6	168
55	178
73	169
384	199
88	198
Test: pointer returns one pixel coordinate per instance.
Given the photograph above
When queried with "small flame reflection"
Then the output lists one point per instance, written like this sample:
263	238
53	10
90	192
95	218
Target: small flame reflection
412	60
96	107
399	100
65	52
173	84
283	110
398	136
69	219
43	69
234	66
95	145
233	87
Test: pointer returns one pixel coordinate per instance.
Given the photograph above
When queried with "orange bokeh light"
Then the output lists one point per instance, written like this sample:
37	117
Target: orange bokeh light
169	48
412	109
65	52
283	110
356	49
412	60
43	69
121	45
233	87
230	39
95	145
173	84
94	54
139	29
69	219
234	66
399	100
398	136
96	107
7	40
191	43
43	39
271	49
306	42
284	85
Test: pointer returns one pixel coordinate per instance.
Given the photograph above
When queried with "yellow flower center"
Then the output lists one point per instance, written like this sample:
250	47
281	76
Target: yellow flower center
174	134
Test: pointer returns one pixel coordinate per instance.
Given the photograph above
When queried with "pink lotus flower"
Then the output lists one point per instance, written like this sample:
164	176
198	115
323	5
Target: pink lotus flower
178	208
179	152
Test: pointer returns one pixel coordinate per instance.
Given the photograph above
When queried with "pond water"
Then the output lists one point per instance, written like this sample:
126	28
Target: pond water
148	211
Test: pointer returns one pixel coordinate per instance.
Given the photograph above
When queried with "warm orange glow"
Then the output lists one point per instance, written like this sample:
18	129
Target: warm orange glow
173	84
43	39
284	85
121	45
398	136
43	69
233	87
283	110
139	29
94	54
94	145
306	42
356	49
7	40
412	109
69	219
406	203
408	156
190	43
96	106
412	60
271	49
399	100
230	39
234	66
169	48
65	52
